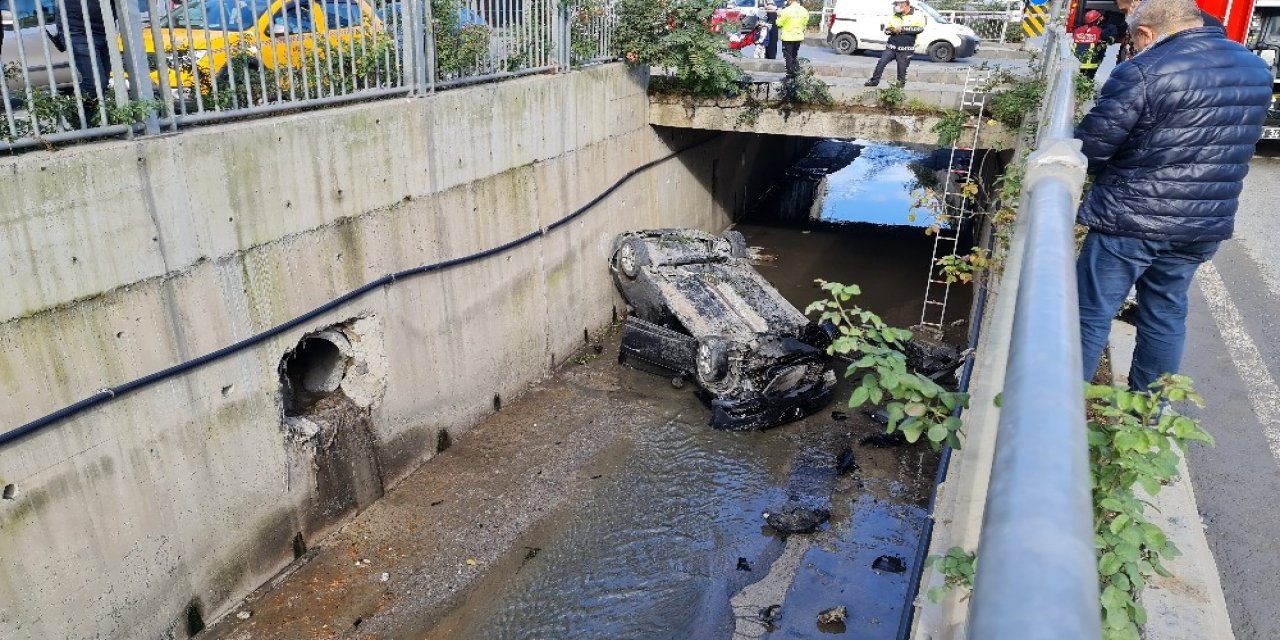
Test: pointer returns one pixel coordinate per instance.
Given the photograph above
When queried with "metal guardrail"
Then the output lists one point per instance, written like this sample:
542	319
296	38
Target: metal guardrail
991	26
1037	569
73	71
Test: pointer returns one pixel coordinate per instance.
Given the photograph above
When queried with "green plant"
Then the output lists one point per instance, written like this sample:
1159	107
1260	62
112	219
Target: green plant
806	88
461	50
1134	441
586	29
918	405
957	567
963	268
1086	91
673	34
891	97
949	127
1022	97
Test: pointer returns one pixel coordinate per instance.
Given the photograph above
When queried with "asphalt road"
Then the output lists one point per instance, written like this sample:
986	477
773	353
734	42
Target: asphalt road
1233	354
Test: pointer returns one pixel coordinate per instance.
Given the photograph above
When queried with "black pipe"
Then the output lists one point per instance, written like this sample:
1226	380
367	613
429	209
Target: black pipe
115	392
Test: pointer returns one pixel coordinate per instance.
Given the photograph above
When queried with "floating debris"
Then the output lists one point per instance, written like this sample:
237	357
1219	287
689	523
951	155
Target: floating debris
743	565
895	439
889	564
878	415
839	415
769	615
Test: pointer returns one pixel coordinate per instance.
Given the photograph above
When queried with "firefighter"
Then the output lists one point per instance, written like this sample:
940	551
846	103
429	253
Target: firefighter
1090	47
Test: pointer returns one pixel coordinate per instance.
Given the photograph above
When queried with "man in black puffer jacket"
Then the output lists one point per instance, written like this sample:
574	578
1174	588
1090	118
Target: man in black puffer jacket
1169	144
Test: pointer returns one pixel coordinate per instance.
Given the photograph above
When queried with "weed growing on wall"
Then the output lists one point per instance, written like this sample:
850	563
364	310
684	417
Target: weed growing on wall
916	405
949	127
957	567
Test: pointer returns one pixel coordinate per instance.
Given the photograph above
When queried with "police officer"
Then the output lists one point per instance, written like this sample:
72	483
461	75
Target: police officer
902	30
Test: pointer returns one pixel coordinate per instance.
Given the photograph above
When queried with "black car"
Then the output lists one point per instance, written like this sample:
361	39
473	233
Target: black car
700	311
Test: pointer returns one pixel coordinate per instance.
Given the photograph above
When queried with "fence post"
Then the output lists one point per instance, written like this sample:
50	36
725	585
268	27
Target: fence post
135	62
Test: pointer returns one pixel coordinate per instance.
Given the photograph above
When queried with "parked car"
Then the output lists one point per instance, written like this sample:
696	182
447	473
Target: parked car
857	25
274	34
699	311
734	10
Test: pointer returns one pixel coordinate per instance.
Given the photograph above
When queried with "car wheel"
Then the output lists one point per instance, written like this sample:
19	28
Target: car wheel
713	360
941	52
844	44
737	243
631	256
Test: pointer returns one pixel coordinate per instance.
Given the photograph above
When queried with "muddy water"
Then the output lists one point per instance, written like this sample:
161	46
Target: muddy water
666	538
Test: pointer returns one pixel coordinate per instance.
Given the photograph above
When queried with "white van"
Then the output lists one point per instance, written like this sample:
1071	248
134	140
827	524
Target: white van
859	24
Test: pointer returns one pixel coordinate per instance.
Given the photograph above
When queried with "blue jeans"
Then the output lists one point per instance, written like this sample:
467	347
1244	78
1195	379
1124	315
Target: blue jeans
1108	267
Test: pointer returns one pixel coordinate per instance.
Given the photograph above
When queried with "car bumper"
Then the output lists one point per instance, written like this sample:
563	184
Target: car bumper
762	413
968	47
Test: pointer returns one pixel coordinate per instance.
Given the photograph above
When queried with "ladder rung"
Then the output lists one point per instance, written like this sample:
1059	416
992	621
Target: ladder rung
934	302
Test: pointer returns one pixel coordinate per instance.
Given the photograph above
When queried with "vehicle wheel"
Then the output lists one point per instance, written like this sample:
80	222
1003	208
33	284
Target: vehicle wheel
737	243
845	44
941	51
713	360
631	256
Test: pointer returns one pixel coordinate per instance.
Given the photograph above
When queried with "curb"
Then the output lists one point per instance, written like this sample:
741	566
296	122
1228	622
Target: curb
1189	605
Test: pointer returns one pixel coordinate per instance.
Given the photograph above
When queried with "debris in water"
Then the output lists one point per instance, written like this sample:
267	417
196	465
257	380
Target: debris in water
769	615
889	564
839	415
471	562
834	615
895	439
931	358
743	565
437	503
244	615
532	552
384	577
878	415
797	519
844	462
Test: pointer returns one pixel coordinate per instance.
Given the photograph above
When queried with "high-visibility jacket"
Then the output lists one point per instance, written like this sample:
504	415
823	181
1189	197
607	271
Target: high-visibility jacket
908	26
792	22
1089	45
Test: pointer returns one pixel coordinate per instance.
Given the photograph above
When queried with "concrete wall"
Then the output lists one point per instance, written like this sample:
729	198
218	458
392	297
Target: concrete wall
125	258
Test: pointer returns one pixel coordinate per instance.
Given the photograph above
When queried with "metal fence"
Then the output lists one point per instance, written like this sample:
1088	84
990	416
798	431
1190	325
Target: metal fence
991	26
89	68
1037	577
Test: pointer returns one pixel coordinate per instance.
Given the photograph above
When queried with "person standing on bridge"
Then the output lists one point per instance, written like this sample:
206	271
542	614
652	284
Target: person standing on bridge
791	25
902	30
1169	142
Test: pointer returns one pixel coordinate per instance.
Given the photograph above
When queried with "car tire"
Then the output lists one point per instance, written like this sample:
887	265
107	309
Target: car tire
942	51
712	361
737	243
631	256
845	44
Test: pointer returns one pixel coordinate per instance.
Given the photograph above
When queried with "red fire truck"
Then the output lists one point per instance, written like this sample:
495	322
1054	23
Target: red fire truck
1235	15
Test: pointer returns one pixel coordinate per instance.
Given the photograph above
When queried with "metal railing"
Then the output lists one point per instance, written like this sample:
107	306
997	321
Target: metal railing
91	68
990	26
1037	573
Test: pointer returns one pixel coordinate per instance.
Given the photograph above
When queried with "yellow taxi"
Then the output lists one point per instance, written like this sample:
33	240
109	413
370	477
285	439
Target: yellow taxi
200	38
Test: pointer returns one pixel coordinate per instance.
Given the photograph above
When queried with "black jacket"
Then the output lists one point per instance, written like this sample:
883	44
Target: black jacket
1171	136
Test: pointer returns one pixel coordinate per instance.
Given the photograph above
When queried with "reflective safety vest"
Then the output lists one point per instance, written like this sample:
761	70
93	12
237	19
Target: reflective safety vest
1089	45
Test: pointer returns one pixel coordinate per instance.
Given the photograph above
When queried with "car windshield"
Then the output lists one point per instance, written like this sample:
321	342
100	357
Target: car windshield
232	15
932	13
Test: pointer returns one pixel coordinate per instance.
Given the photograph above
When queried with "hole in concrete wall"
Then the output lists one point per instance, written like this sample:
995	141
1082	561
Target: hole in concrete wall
299	545
497	402
10	492
226	390
586	337
311	371
615	314
195	618
443	441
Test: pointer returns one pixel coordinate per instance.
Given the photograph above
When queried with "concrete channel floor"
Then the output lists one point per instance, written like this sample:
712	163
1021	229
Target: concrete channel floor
468	525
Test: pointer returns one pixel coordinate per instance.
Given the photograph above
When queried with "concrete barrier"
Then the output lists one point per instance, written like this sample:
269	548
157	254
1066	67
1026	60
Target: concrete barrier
154	513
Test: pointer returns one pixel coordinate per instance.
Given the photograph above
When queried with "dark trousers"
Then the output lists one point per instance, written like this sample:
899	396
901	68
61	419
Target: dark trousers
791	53
1107	268
90	76
903	58
771	48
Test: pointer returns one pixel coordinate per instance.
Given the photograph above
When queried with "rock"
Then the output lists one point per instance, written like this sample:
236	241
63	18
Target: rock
839	415
743	565
878	415
834	615
384	577
889	564
797	519
769	615
845	462
895	439
931	358
244	615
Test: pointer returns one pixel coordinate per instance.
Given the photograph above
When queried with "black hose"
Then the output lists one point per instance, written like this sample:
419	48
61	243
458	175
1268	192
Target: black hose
115	392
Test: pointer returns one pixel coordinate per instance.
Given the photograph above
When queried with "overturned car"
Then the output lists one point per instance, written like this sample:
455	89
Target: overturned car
700	311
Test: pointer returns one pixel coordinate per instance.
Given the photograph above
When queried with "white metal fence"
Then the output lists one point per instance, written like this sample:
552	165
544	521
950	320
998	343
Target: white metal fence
91	68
